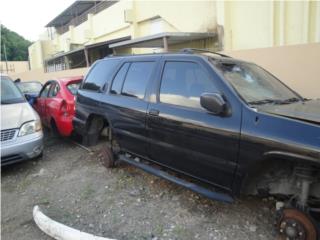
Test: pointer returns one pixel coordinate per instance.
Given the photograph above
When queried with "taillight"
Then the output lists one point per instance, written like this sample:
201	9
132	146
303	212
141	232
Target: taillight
64	109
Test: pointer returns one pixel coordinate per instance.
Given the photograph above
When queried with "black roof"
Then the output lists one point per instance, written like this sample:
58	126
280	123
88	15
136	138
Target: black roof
75	9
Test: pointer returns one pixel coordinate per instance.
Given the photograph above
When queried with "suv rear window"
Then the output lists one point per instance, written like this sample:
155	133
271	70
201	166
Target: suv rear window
118	80
137	79
98	76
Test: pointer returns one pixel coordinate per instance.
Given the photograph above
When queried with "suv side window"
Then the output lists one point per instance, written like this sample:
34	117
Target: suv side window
137	79
44	92
118	79
183	83
98	76
53	90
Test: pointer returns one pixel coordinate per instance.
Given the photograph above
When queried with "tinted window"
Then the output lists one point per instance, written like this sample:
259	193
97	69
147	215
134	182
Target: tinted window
98	76
137	78
44	92
118	80
73	87
183	83
54	90
29	87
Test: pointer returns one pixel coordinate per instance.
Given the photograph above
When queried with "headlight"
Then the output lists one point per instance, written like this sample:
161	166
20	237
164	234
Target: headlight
30	127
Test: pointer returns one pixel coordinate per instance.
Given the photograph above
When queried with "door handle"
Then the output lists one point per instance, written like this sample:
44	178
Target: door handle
154	112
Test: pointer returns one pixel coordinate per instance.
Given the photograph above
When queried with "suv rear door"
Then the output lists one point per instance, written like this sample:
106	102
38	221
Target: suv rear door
126	102
183	135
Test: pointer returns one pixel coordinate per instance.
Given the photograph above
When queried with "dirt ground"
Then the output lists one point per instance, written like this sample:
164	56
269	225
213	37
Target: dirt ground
72	187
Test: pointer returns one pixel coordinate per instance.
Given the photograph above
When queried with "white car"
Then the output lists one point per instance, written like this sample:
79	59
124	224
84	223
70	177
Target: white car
21	130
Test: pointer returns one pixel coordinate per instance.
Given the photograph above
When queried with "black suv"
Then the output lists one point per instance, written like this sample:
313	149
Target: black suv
219	121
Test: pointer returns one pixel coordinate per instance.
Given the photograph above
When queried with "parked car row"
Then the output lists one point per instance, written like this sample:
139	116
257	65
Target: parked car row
26	106
221	122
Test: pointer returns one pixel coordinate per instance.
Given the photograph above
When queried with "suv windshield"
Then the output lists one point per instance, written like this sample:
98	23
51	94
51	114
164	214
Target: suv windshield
255	85
29	87
10	93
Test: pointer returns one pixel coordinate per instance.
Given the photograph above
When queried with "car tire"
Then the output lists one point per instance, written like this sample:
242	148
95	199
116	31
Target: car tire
107	156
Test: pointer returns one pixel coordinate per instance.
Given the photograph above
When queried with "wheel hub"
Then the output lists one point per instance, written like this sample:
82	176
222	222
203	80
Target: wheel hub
292	229
296	225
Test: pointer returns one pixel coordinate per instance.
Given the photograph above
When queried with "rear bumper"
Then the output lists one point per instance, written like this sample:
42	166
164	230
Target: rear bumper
65	126
21	148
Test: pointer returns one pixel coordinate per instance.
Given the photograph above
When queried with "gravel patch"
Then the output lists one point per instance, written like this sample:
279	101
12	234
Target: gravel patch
72	187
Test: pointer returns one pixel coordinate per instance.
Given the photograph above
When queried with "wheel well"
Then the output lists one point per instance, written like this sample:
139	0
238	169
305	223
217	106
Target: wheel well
95	127
276	176
99	121
53	124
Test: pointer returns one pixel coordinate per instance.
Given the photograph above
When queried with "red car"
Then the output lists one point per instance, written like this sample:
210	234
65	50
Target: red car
56	104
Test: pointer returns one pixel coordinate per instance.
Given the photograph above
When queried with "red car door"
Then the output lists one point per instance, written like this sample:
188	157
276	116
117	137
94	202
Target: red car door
52	104
40	105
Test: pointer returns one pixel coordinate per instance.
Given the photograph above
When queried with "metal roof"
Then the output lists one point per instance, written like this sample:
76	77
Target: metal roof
108	42
75	9
61	54
156	40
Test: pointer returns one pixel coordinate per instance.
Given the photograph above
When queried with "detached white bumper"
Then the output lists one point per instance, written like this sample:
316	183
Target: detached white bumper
59	231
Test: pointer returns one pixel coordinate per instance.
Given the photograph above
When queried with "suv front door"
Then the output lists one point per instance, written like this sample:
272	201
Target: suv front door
183	135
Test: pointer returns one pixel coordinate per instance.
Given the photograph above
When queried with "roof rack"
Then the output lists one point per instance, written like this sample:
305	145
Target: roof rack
193	50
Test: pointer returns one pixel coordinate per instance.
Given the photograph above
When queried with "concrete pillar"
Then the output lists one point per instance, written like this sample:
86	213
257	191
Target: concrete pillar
91	28
165	44
87	57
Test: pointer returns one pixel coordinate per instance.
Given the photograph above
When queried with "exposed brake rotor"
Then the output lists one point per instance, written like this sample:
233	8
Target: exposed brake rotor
296	225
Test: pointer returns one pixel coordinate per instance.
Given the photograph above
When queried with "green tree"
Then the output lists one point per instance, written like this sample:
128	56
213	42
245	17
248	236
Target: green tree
16	45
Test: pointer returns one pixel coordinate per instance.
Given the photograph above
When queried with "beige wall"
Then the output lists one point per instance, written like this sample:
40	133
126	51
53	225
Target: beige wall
259	24
14	67
297	65
41	76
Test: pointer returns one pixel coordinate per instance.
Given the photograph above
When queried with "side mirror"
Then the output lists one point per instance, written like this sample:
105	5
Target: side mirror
214	103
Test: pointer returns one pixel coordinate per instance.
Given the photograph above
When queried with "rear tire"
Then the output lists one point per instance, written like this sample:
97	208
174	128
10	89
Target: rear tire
108	157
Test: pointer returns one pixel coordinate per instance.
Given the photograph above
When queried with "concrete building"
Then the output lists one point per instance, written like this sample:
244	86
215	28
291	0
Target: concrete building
281	36
89	30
